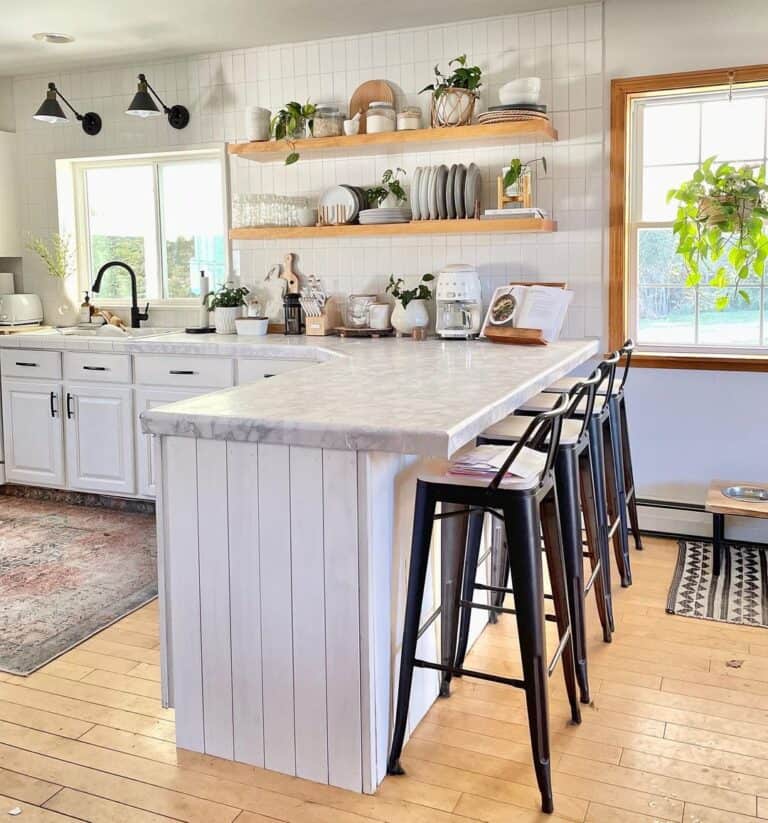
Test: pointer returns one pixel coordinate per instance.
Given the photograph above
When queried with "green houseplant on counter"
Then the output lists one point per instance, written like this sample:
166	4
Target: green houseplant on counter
454	95
720	227
410	310
291	123
227	305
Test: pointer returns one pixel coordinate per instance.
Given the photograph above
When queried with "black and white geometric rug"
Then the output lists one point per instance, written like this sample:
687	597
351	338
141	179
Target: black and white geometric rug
738	595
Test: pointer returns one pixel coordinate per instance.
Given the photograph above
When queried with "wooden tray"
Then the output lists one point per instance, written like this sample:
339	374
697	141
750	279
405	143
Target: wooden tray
521	337
352	331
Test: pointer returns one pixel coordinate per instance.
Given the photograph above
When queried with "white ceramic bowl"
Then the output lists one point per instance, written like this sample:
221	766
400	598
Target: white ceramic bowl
252	326
522	90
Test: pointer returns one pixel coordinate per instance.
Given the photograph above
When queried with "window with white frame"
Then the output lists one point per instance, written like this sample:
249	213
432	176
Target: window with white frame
163	215
670	135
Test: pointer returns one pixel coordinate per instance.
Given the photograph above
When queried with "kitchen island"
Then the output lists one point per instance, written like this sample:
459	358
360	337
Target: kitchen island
284	519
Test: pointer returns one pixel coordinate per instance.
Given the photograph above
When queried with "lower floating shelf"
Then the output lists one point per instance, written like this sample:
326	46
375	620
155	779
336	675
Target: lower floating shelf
472	226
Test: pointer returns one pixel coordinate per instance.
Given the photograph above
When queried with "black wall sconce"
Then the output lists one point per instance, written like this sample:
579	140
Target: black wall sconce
143	105
51	112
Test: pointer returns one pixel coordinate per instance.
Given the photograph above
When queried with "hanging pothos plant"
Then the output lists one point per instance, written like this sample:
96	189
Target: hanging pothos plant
290	124
720	227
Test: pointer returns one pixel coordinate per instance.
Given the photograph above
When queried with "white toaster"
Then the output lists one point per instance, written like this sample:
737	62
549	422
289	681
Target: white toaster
20	309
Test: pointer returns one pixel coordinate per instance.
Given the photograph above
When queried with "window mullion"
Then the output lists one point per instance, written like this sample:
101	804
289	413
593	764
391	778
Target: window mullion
160	281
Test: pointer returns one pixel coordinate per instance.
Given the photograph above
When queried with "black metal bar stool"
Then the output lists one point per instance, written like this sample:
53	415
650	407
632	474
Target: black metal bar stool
608	464
618	404
576	495
528	509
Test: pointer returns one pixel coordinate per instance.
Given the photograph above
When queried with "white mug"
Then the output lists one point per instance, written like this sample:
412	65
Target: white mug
378	316
257	123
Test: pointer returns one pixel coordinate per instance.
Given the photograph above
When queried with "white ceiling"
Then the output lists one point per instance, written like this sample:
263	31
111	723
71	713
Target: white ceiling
119	30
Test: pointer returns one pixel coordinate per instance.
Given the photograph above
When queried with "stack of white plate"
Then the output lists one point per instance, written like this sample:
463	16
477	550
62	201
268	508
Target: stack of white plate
400	214
440	193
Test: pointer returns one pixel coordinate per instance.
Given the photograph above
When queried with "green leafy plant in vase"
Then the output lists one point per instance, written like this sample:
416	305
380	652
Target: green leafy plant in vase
517	169
227	305
454	94
57	256
390	187
290	124
410	310
720	227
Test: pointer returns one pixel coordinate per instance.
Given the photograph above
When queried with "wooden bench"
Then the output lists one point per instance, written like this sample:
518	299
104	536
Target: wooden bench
720	505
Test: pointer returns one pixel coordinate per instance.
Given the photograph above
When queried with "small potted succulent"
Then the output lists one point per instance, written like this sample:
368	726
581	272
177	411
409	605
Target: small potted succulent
410	310
454	95
390	192
227	305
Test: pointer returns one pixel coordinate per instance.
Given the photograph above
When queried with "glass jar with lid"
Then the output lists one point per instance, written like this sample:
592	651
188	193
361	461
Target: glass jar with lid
380	117
327	121
409	118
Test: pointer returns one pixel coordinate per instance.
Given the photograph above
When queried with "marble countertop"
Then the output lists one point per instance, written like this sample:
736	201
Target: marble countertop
397	395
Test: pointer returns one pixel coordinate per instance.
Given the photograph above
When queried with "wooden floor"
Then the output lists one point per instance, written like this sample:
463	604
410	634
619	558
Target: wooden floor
678	730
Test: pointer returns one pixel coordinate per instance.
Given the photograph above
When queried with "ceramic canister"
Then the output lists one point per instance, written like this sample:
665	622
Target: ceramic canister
257	123
378	315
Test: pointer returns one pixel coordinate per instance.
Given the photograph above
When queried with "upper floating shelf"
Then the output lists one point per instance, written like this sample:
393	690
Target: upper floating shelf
525	131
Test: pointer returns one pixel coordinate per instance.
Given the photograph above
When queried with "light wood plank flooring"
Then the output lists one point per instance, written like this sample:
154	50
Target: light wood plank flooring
678	731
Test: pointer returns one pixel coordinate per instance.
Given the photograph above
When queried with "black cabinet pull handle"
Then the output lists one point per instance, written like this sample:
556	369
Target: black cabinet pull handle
53	404
181	371
28	365
95	368
70	413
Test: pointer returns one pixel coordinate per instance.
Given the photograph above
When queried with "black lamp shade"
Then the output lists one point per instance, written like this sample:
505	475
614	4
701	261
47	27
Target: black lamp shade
50	111
142	104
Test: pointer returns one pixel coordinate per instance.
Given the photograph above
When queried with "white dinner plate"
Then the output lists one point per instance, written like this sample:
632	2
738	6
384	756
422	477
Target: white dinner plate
471	189
414	195
426	173
458	190
340	203
433	213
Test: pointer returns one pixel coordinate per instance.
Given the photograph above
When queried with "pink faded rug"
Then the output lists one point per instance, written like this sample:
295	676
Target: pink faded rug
67	572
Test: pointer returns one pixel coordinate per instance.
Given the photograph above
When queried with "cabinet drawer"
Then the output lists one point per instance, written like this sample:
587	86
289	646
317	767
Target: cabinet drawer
97	368
31	363
184	372
251	370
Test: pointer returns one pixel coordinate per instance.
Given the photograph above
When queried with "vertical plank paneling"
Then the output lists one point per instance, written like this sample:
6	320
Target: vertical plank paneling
213	538
163	582
342	631
245	602
276	607
181	543
309	670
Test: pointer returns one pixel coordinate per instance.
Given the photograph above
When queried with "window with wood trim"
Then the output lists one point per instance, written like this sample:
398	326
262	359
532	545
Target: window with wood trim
662	129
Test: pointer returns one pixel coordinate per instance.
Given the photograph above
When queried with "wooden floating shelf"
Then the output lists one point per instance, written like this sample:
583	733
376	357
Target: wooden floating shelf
512	225
492	134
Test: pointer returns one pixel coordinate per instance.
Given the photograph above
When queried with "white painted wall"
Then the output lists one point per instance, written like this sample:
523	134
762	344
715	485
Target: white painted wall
7	115
690	427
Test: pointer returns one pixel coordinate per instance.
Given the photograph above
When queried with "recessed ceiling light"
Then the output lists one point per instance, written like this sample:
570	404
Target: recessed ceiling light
53	37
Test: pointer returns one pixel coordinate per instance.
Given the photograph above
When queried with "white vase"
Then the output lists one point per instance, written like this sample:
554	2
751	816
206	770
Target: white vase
224	318
66	312
414	316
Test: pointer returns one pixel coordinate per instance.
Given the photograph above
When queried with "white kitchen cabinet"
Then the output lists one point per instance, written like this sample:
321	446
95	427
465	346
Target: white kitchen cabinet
145	453
34	436
99	438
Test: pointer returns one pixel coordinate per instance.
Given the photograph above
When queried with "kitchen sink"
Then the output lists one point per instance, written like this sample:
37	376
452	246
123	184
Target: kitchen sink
112	333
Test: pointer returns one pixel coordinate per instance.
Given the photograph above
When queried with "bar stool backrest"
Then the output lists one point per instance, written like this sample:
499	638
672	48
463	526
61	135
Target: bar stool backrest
548	424
626	352
609	375
586	388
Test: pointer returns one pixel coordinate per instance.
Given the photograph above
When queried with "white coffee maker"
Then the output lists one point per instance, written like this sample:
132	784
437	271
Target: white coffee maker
458	302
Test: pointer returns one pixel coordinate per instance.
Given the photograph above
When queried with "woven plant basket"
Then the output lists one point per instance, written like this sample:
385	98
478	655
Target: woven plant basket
454	107
712	209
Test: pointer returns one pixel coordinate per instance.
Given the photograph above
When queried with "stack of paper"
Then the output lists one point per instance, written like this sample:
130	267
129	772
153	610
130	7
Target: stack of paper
485	462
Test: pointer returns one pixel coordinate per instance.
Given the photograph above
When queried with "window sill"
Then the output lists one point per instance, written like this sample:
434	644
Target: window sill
700	362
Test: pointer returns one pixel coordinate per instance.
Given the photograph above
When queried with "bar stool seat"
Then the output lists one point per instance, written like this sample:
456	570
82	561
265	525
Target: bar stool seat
513	428
441	473
548	400
566	384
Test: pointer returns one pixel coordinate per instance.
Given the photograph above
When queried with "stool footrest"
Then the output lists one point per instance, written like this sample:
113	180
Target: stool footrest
592	578
430	620
564	640
494	678
499	609
487	588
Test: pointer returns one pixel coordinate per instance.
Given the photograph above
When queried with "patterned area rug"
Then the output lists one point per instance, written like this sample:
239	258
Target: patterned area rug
67	572
738	595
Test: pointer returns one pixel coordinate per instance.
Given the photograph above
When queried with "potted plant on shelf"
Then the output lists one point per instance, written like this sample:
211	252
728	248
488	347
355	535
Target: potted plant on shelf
227	305
57	256
390	191
518	170
454	95
720	227
290	124
410	310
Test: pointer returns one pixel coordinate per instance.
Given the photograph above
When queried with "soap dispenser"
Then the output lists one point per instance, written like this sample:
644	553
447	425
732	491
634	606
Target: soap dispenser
85	309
